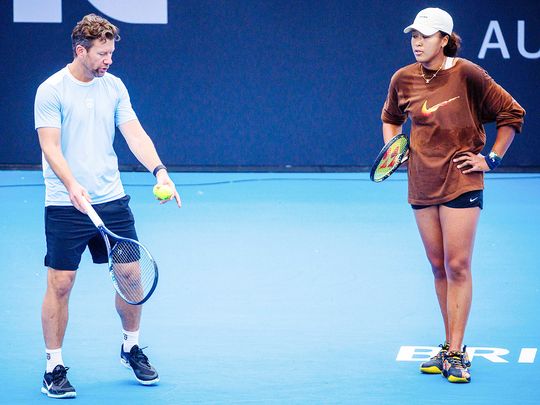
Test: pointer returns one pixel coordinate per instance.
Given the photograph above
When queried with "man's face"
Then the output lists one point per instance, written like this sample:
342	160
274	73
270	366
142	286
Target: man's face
97	59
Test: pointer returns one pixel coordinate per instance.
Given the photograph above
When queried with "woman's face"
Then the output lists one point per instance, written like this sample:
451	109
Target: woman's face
428	50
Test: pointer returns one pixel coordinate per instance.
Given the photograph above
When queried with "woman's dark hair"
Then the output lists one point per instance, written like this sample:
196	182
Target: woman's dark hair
453	46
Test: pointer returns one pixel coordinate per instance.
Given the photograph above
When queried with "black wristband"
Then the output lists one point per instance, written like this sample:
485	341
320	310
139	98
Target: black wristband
157	169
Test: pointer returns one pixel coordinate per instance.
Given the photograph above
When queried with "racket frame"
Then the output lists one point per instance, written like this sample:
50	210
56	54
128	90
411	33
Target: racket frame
105	233
381	154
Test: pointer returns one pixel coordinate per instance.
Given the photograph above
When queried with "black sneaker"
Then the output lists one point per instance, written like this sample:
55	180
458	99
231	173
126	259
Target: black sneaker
435	364
456	367
136	360
56	384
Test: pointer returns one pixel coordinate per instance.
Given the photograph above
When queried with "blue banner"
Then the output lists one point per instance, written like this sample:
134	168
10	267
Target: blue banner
261	83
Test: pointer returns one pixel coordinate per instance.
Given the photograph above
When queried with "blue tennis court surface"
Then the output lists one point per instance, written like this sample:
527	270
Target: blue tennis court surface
280	289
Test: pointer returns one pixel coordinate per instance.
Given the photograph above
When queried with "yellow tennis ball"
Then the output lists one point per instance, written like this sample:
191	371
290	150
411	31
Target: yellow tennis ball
162	191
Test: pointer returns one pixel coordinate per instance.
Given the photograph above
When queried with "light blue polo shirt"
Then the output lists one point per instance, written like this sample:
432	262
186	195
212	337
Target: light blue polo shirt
87	114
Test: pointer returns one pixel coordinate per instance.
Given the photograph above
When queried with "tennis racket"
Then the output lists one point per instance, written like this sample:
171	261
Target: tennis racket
391	156
133	270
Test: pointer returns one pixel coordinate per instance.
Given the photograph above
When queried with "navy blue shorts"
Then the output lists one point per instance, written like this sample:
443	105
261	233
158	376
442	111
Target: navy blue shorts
69	232
470	199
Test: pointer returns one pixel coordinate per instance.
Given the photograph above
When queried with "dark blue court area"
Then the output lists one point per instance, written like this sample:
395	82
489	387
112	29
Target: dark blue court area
304	288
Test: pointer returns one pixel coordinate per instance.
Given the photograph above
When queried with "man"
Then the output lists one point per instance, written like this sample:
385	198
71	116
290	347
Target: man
76	112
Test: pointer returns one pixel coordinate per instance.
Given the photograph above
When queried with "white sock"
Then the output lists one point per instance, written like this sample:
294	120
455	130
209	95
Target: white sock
130	339
54	358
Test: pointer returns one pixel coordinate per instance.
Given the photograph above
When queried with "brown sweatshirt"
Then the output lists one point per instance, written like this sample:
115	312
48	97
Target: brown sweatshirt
447	116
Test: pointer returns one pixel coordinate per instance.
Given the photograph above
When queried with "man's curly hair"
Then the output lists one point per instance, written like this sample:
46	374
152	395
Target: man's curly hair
93	27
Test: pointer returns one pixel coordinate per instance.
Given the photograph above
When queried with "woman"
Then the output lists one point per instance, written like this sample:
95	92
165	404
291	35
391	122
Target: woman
448	99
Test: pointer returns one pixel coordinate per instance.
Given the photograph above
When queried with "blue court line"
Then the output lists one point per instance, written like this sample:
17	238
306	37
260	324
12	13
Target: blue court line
396	178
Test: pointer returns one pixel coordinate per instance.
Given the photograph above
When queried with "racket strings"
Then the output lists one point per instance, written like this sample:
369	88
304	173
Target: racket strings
133	271
391	158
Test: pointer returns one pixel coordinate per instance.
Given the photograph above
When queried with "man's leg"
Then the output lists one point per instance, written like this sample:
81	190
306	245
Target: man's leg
132	355
54	318
54	312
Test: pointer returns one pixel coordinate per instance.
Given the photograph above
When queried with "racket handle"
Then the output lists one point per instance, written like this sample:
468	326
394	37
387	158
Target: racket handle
92	214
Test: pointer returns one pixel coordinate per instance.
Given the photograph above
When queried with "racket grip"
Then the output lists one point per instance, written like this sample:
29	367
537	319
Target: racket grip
92	214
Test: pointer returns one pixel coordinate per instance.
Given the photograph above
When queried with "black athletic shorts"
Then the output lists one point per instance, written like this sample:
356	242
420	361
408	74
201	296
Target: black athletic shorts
68	232
466	200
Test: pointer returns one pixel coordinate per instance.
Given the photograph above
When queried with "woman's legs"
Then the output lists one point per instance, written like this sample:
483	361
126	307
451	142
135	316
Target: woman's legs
448	236
459	229
428	222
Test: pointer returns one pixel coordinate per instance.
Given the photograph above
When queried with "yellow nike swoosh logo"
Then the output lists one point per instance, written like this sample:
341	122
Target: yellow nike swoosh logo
427	111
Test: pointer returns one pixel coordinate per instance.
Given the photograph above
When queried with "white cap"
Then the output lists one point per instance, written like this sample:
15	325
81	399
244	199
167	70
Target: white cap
430	20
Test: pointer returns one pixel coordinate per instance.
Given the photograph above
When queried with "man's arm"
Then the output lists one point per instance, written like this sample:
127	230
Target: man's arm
144	150
49	140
